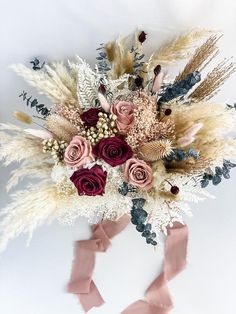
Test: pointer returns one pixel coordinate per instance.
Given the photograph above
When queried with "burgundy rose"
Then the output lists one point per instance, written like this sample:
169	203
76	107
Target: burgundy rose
90	182
90	117
113	150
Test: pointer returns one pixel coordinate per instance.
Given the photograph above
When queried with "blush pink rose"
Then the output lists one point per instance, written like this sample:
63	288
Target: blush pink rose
138	173
78	152
125	115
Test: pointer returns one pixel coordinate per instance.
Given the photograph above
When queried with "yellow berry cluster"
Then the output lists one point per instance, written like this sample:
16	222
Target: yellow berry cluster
105	127
56	148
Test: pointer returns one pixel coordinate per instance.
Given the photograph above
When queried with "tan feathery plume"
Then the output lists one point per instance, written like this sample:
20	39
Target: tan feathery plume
119	55
61	127
204	54
16	145
209	87
155	150
177	49
54	81
22	117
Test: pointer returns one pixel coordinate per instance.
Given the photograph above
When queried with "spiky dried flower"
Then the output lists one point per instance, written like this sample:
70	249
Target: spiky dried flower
155	150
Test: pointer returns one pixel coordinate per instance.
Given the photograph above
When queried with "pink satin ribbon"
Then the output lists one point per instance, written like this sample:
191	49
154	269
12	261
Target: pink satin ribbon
158	300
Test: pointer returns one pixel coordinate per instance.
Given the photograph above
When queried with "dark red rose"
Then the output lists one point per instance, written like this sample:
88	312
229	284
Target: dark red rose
90	182
113	150
90	117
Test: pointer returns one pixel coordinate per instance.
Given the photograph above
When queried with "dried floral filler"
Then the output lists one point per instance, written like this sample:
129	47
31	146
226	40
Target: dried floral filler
123	142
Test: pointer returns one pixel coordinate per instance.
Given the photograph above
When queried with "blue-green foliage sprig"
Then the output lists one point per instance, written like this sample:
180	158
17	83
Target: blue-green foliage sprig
34	103
103	63
180	88
139	217
180	155
216	176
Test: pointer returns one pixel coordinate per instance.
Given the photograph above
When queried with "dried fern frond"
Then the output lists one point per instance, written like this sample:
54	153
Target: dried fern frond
22	117
209	87
205	53
17	145
155	150
61	127
177	49
54	81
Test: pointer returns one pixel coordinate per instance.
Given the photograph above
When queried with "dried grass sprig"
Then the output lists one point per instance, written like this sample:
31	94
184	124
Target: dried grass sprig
210	86
206	52
119	55
61	127
54	81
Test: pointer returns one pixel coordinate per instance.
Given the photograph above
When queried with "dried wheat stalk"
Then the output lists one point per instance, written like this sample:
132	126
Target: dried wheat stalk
206	52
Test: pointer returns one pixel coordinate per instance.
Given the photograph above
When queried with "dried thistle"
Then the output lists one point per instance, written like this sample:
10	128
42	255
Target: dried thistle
209	87
22	117
155	150
61	127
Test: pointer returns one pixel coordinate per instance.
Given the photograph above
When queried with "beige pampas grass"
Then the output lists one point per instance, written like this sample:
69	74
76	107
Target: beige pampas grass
16	145
61	127
54	81
22	117
177	49
30	170
29	209
211	139
119	55
155	150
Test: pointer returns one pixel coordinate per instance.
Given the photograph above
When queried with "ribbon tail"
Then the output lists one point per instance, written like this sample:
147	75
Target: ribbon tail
158	299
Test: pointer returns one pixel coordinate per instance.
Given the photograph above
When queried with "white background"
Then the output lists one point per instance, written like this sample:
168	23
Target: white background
32	280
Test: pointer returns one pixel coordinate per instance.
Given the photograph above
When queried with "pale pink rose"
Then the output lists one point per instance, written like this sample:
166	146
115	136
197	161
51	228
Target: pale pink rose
138	173
78	152
125	115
